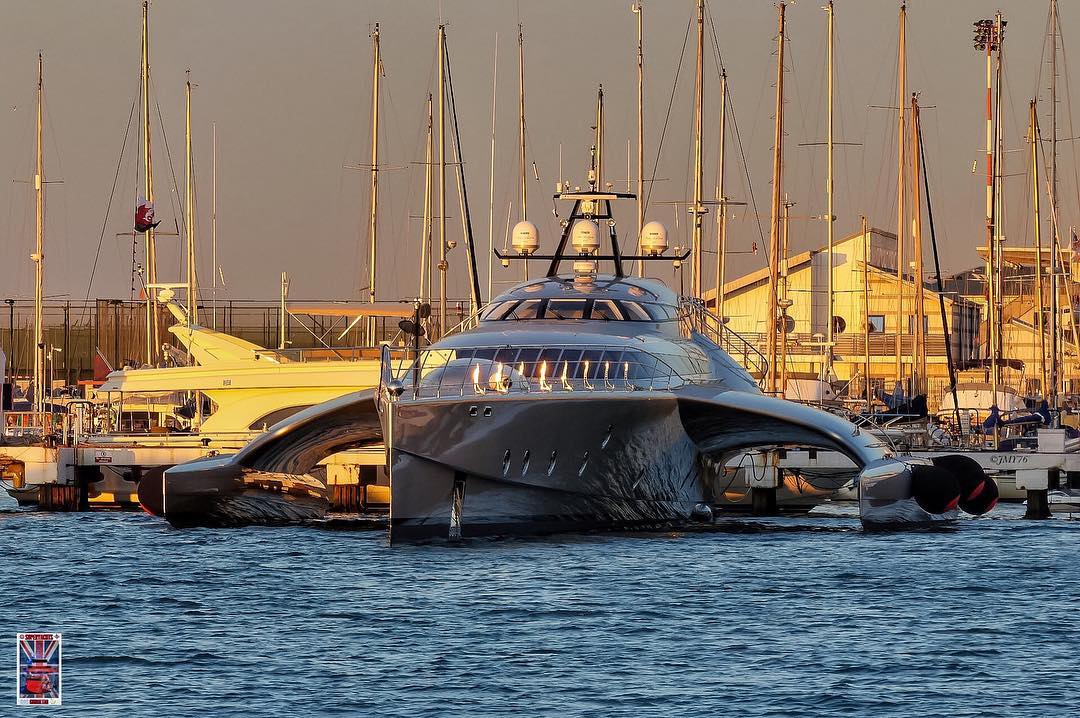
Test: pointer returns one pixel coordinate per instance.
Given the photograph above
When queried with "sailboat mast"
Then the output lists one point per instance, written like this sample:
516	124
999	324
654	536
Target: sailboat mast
491	171
901	193
698	208
152	333
521	136
721	199
600	138
774	225
999	203
39	249
1053	100
866	310
1056	344
443	265
213	224
784	301
425	232
830	219
373	224
986	38
189	209
639	10
919	360
1040	328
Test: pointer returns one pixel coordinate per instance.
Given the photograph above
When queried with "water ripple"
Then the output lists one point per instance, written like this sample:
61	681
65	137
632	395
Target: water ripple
778	617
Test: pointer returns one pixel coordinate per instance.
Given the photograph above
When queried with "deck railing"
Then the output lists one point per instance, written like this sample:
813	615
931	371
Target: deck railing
696	318
477	371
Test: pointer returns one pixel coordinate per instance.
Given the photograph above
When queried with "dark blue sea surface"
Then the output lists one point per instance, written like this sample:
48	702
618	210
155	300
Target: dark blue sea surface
782	617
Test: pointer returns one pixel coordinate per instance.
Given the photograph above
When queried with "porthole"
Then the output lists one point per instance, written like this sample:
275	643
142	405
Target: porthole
473	411
525	462
506	462
584	463
552	461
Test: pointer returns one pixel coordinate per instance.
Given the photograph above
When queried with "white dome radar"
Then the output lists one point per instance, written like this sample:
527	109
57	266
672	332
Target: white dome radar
586	236
653	239
526	239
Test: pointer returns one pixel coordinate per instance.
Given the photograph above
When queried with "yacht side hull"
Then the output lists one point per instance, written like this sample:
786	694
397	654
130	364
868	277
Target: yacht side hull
236	497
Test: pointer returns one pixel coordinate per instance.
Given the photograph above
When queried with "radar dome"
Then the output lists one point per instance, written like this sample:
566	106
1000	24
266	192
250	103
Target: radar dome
653	239
586	236
526	239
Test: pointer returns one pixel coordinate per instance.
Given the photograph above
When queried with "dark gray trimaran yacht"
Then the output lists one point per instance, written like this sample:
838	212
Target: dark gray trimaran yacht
580	401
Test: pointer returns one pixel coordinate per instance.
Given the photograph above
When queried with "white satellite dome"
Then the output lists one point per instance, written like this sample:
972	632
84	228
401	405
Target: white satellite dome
586	236
525	239
653	239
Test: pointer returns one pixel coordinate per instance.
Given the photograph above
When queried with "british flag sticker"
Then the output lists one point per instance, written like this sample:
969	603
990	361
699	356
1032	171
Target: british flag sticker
38	669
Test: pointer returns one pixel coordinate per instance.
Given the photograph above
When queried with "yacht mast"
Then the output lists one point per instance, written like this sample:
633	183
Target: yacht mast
774	225
600	138
152	333
698	209
918	383
1053	100
491	172
721	206
521	136
189	210
988	38
639	10
1056	344
443	264
373	224
1040	328
213	225
901	194
189	233
866	310
784	301
425	232
999	205
39	250
830	219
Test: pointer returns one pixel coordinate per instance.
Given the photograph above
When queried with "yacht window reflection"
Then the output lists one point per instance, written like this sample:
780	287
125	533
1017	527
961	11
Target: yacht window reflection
635	312
496	311
528	309
579	308
606	309
566	309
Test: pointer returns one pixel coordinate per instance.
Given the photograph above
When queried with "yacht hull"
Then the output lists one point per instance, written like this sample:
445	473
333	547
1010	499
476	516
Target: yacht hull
534	464
886	502
194	496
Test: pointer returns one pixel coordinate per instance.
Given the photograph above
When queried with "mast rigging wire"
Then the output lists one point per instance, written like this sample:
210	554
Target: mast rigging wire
112	194
937	272
738	139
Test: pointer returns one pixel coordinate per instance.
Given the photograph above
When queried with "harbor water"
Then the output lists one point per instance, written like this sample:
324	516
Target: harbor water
777	617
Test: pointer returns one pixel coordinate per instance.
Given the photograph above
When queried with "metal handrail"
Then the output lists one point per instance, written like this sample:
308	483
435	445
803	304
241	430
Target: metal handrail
862	422
470	322
698	318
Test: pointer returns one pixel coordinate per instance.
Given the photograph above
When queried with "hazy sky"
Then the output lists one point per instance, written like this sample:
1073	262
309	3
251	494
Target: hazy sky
289	85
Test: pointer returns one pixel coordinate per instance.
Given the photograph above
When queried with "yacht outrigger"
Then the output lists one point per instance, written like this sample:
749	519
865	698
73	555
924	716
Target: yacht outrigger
581	401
